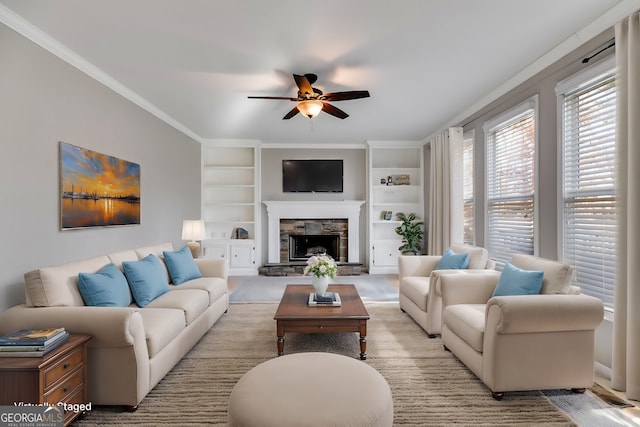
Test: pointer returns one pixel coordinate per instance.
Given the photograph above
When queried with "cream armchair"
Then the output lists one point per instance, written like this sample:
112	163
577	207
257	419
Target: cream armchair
523	342
420	288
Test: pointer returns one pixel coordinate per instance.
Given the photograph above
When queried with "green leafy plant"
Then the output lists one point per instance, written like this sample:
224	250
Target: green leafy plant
411	232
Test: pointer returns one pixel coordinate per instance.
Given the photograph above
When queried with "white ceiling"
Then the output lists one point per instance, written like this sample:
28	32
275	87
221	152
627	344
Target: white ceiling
425	62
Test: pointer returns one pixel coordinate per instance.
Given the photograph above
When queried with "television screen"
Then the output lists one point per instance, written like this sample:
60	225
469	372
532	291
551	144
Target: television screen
312	176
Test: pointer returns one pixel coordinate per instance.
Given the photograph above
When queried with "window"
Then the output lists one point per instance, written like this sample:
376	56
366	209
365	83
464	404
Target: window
467	183
511	144
588	179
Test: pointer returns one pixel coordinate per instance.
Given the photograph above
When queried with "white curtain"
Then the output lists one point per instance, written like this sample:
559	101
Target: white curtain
626	327
446	209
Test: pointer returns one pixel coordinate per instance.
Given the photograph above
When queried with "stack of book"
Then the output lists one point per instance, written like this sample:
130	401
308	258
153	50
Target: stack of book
331	299
32	342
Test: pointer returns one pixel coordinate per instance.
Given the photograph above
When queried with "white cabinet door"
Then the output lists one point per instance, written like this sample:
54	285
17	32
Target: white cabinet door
242	255
216	250
385	254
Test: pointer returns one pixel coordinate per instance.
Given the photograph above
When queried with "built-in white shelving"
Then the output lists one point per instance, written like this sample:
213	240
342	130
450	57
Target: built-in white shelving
395	184
230	201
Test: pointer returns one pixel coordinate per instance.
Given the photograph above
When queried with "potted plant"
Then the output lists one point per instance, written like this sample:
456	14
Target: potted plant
411	232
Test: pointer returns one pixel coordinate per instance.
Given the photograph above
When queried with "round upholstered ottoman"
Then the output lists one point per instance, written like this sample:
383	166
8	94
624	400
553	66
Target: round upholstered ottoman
311	389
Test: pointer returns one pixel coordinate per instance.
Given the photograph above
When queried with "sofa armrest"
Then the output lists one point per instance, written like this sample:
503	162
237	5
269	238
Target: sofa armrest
108	326
543	313
213	267
471	288
419	265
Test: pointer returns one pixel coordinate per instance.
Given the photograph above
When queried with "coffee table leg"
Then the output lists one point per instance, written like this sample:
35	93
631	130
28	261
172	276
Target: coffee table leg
280	342
363	341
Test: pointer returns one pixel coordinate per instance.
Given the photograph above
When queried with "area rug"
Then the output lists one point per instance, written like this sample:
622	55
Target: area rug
271	289
430	386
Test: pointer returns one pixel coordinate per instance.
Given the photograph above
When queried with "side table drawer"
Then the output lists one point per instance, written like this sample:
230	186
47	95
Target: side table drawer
65	389
69	364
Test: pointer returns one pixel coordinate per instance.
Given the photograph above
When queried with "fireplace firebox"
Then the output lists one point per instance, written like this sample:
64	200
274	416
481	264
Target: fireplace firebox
302	247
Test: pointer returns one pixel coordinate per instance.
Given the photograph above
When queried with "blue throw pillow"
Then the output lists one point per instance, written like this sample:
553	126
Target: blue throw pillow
181	266
516	281
146	279
453	261
106	288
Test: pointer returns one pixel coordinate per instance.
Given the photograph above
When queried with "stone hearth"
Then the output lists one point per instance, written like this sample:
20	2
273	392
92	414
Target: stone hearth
297	269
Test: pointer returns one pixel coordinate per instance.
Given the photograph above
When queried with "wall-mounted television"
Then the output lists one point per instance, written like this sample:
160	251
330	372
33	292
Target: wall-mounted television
312	176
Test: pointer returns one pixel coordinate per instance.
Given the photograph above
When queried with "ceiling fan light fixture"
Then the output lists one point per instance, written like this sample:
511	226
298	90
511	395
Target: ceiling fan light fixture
310	107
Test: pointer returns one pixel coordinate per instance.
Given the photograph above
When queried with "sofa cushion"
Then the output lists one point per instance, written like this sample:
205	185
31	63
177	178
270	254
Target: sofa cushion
192	303
119	257
161	326
557	275
181	265
516	281
467	322
453	261
106	288
215	286
478	257
416	288
57	286
146	279
157	251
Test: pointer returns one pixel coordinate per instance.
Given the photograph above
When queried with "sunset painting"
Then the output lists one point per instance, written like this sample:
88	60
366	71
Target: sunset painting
97	190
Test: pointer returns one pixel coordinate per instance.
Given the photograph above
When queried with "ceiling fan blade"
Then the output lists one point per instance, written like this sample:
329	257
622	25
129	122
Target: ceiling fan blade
343	96
291	113
273	97
334	111
303	84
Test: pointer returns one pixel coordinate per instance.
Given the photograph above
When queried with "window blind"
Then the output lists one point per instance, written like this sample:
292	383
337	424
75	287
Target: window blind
589	204
467	192
511	187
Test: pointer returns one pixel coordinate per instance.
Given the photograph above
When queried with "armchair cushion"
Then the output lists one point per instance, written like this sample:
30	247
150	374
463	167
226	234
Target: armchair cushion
453	261
478	256
467	322
416	289
557	275
516	281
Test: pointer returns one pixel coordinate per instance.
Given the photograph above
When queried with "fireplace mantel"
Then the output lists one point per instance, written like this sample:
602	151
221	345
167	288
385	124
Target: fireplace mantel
279	209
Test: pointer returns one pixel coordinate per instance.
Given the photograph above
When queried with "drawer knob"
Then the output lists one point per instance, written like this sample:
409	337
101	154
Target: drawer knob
66	388
66	366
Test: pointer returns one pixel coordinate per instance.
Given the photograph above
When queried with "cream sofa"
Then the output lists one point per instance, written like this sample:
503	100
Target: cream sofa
522	342
419	287
131	348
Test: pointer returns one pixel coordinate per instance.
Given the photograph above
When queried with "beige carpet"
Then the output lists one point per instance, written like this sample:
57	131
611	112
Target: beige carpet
430	386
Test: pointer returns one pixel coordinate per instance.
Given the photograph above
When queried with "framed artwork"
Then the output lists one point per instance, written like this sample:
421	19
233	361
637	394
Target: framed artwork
97	190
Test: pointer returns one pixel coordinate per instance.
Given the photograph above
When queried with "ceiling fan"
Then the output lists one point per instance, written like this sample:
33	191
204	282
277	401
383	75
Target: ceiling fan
311	100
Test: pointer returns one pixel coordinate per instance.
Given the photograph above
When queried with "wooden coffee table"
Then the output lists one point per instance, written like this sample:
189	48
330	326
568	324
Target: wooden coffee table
295	315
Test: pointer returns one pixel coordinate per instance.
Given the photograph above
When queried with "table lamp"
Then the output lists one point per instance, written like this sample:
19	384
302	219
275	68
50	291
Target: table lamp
193	230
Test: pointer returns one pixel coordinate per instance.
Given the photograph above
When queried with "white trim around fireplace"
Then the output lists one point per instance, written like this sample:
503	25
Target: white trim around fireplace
279	209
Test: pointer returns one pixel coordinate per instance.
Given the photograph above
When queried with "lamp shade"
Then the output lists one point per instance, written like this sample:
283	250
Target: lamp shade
193	230
310	108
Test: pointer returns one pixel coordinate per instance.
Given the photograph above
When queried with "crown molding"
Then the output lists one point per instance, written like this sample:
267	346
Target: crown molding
606	21
44	40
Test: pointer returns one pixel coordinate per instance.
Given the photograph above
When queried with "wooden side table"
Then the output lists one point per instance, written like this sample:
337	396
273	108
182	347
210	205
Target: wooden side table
58	377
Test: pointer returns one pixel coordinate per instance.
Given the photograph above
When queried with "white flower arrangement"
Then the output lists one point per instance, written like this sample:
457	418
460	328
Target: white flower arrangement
321	266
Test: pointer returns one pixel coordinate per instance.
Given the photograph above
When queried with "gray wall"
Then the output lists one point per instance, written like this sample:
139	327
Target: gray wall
44	100
543	84
355	172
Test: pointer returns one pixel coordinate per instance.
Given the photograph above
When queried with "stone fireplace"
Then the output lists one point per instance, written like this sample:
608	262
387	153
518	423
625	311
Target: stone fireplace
314	218
303	238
